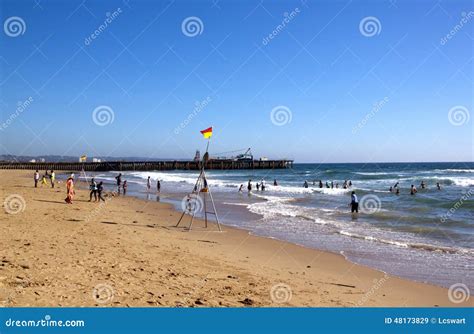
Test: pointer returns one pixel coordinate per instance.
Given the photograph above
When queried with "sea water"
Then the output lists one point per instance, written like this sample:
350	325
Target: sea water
426	237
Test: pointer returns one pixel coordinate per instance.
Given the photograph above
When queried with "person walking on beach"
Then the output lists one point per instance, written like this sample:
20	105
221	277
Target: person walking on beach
36	178
413	190
119	181
158	186
93	190
354	203
148	183
53	178
70	189
249	186
100	188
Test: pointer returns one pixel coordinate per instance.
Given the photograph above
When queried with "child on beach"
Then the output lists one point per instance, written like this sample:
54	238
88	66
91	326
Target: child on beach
124	187
53	178
70	189
43	180
93	189
36	178
100	188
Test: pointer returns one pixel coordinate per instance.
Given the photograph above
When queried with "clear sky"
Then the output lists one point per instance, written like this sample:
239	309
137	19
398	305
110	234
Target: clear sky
322	70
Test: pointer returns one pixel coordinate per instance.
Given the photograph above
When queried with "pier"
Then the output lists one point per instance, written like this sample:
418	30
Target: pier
213	164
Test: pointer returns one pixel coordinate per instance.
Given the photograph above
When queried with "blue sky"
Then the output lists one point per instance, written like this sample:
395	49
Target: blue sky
322	70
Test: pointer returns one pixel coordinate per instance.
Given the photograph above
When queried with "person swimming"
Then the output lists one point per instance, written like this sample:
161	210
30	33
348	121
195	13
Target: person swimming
422	185
391	189
397	192
413	190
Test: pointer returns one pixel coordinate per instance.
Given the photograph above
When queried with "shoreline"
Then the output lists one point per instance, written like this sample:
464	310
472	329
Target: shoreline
233	268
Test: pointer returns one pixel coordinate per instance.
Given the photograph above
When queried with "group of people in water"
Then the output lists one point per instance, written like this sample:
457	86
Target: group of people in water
396	189
345	185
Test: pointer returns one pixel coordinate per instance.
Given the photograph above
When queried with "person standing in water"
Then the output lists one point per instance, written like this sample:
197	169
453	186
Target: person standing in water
119	181
158	186
249	186
305	184
124	187
413	190
148	183
354	203
257	185
320	184
422	185
262	184
397	191
240	188
275	182
438	186
36	178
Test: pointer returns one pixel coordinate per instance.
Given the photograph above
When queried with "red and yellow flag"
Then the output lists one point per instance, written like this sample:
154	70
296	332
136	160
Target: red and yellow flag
207	133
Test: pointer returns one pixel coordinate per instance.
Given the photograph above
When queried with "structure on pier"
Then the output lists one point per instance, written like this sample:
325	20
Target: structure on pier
211	164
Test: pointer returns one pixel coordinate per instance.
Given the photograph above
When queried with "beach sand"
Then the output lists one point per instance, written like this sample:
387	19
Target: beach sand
127	252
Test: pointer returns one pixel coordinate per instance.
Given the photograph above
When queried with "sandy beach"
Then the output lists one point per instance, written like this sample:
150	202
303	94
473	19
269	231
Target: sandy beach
127	252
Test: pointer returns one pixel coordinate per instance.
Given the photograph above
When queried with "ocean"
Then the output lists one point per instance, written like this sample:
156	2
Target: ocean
427	237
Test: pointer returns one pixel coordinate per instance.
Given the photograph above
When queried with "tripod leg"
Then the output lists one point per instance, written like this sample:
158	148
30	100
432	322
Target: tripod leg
179	221
205	209
215	211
